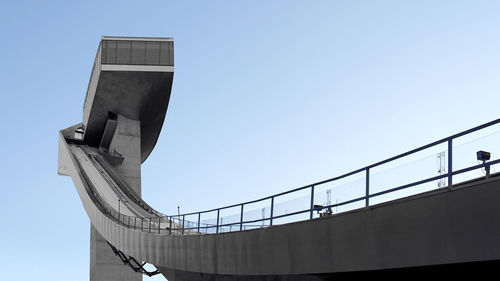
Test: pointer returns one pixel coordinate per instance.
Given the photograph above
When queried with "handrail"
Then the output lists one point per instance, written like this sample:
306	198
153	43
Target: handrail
177	224
443	140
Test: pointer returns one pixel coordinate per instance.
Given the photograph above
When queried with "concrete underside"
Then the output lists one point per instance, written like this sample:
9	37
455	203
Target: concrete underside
482	269
142	96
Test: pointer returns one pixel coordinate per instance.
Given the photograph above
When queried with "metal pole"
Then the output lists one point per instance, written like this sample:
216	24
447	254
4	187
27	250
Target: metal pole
142	223
367	195
159	224
450	163
183	219
170	222
199	215
217	226
272	211
149	225
311	210
241	217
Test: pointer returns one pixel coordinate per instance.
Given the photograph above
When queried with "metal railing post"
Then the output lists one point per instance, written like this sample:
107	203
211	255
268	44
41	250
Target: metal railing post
217	226
159	224
183	219
367	195
142	223
170	225
450	163
241	217
311	210
149	225
272	211
199	215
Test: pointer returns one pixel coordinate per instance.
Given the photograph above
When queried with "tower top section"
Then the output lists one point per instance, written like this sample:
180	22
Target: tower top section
131	76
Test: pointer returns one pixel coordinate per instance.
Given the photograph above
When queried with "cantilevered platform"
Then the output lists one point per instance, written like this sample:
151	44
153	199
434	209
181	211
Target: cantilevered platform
131	77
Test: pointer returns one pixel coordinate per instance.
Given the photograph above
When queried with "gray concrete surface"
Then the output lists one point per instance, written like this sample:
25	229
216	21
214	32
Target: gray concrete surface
126	141
104	265
439	227
138	92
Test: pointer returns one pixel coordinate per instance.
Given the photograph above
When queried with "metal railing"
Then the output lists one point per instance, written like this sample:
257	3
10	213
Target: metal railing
192	223
242	224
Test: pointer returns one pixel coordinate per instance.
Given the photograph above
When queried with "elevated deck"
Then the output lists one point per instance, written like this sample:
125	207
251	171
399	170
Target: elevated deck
132	77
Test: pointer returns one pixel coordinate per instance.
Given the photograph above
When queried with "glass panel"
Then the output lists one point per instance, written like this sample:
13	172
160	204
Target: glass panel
296	201
427	163
111	52
190	223
288	219
230	215
153	53
123	52
138	52
334	193
103	51
166	53
260	210
208	222
465	150
171	53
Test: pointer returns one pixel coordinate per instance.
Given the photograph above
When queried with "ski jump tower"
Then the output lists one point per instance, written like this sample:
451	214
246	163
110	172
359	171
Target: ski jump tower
123	113
451	228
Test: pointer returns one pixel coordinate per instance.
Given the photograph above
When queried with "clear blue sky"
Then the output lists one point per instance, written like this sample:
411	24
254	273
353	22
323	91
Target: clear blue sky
267	95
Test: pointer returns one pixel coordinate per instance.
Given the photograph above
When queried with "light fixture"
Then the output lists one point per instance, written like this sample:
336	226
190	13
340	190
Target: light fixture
484	156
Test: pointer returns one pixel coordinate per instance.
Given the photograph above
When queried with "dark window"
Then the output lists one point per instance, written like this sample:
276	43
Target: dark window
111	51
138	52
166	53
103	51
153	53
123	52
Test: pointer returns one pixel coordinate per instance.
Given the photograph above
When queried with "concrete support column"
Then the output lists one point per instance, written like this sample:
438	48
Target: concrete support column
127	142
104	264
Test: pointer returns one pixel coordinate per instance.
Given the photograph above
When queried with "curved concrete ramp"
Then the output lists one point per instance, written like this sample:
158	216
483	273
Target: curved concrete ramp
435	228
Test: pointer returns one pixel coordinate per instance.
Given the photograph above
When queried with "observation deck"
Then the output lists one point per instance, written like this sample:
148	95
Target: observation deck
132	76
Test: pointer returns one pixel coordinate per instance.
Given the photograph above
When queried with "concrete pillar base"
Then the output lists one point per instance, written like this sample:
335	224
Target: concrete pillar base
104	264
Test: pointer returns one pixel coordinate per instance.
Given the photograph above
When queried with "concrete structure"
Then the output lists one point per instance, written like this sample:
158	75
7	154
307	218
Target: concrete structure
127	97
125	140
449	228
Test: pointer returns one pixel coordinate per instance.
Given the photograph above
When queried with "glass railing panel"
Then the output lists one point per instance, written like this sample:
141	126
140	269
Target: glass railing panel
339	191
257	214
428	163
292	202
465	150
137	52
